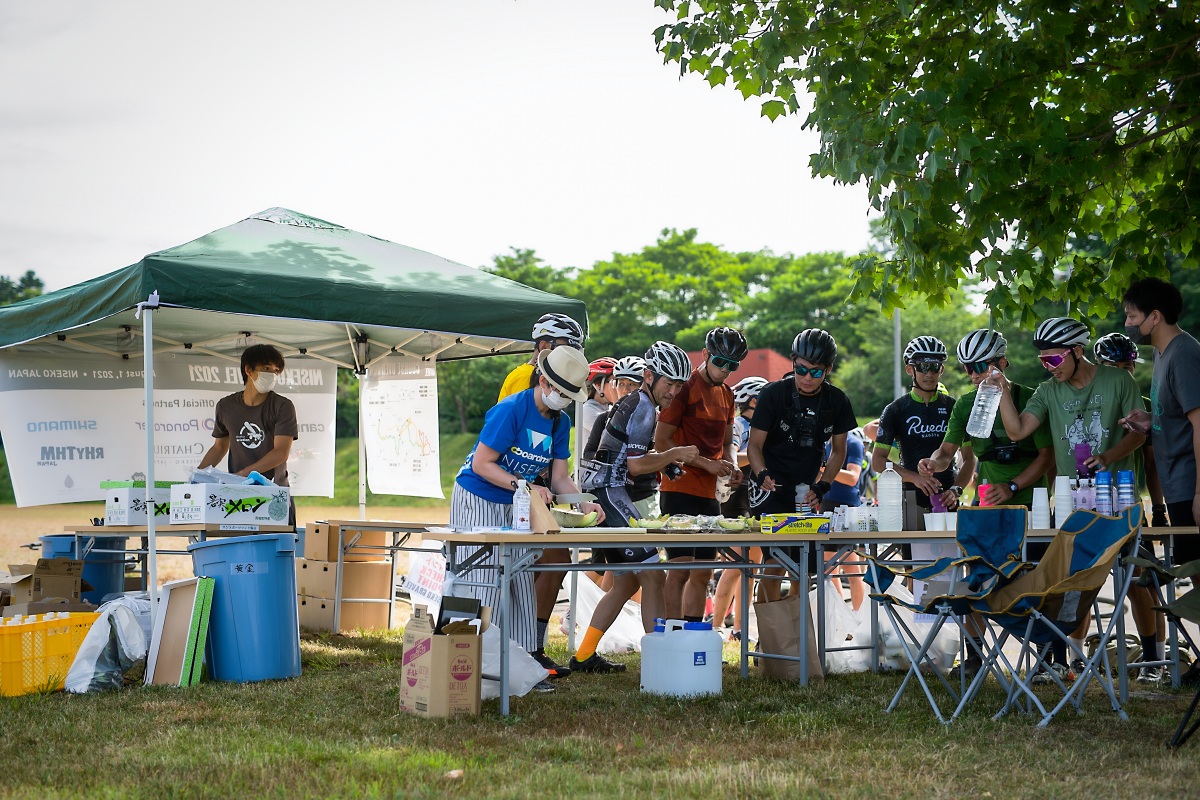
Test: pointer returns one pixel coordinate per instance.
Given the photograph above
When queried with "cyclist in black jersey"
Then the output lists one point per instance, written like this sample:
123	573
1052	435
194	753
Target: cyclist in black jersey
917	424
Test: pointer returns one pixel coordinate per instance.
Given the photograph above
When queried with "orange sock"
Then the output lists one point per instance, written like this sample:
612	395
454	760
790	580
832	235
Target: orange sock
591	640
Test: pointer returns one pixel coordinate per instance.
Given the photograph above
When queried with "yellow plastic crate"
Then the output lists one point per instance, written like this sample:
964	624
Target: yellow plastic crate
35	656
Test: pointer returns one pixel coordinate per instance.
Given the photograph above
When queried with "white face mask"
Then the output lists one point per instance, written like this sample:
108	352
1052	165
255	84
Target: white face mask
555	401
265	381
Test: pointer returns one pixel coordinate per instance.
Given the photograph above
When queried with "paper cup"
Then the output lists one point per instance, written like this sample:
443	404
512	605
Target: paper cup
935	521
951	520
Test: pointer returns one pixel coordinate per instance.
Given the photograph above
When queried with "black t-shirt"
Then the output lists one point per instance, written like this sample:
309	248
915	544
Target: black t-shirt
918	429
797	428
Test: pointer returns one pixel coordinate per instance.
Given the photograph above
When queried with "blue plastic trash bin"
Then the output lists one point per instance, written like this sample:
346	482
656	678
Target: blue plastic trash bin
254	629
105	572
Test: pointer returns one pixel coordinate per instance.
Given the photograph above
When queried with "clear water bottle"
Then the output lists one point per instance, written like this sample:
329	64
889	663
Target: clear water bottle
890	491
1126	493
1084	498
1104	495
987	402
801	493
521	507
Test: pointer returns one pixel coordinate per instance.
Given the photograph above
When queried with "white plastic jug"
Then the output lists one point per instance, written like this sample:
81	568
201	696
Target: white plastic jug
684	662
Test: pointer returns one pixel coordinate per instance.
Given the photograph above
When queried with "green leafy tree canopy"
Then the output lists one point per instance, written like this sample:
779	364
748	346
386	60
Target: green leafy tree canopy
987	134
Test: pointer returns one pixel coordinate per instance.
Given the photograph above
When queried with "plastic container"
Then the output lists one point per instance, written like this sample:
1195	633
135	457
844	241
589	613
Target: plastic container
1104	493
890	491
1039	519
255	627
686	662
987	403
1126	492
521	507
802	491
104	571
651	679
1084	495
1083	451
36	653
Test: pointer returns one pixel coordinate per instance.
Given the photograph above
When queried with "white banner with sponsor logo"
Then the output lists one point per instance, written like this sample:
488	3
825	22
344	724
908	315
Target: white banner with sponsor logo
70	422
400	427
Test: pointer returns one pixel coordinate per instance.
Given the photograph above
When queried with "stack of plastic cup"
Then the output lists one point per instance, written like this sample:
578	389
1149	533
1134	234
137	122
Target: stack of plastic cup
1063	505
1039	520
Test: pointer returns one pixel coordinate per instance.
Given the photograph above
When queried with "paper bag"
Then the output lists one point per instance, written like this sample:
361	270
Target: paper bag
779	633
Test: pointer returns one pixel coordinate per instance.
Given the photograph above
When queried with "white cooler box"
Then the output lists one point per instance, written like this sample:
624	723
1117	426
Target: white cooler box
229	504
125	502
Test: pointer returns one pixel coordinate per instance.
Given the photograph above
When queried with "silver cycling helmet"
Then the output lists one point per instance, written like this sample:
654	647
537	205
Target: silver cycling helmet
925	347
668	360
981	345
747	389
558	326
1061	332
631	368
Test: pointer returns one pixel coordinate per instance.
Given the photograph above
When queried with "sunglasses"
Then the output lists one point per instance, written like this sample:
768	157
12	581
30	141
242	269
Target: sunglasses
977	367
816	372
727	364
1052	361
926	367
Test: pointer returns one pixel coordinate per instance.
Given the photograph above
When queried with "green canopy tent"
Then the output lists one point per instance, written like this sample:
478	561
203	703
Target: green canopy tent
305	285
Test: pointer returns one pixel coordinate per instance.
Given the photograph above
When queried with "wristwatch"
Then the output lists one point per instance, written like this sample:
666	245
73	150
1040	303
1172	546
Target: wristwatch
1013	487
958	490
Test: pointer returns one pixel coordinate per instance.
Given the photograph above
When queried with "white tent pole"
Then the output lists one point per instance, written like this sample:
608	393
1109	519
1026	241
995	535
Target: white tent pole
362	455
147	309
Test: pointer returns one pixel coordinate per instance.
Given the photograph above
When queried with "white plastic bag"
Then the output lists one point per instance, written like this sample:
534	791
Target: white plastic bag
115	642
523	671
843	628
626	632
944	649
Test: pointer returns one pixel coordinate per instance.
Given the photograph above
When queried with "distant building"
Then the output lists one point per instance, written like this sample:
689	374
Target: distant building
760	363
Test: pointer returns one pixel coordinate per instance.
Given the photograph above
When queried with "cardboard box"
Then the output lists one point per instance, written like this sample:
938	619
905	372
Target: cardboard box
49	578
125	502
229	504
814	525
316	613
321	543
440	672
359	579
47	606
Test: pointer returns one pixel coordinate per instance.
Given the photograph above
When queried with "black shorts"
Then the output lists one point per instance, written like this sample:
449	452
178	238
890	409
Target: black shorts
783	501
680	503
618	508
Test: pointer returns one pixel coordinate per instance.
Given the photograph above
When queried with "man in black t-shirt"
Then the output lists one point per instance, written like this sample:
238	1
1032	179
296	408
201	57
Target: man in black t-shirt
256	426
793	420
917	424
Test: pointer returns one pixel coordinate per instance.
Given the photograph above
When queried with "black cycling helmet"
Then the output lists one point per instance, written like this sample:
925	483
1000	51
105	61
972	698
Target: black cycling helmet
815	346
727	343
1115	348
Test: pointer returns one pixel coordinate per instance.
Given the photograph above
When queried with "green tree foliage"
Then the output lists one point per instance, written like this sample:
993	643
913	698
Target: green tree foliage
987	134
27	286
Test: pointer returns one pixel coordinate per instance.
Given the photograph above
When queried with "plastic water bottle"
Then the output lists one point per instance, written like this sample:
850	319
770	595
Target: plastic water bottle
1104	494
1126	494
801	493
521	507
890	490
987	402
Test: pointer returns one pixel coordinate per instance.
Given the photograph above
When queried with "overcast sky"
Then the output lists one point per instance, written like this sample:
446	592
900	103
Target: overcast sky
461	127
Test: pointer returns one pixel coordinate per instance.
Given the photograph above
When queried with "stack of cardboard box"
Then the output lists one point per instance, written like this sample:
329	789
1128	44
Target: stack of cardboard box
367	575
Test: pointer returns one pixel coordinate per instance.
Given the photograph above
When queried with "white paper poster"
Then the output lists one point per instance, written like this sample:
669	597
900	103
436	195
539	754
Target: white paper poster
70	422
400	428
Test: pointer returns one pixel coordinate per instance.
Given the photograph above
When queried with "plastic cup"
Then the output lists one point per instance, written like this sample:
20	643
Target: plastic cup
935	521
983	490
951	520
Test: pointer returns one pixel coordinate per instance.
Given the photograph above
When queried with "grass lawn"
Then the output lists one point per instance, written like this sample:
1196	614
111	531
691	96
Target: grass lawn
336	732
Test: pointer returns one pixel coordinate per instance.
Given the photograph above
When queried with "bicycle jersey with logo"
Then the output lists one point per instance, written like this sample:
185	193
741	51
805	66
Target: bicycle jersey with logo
629	433
702	413
918	429
252	430
1086	416
782	412
525	440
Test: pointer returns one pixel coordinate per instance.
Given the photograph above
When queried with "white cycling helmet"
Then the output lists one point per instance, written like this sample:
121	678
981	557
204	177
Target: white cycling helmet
558	326
668	360
1061	332
981	345
630	368
747	389
925	347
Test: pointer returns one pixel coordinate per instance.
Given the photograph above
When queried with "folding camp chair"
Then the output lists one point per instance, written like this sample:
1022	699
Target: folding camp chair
1053	598
990	540
1187	608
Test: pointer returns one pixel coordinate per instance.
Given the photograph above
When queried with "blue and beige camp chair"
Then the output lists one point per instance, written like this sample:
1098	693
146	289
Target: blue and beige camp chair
1051	600
990	541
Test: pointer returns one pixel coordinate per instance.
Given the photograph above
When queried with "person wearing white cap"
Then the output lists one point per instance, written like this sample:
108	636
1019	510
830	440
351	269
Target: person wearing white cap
522	435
